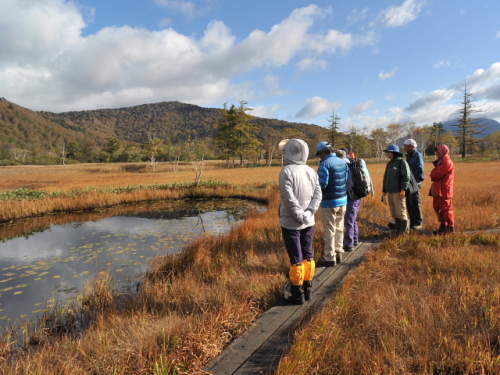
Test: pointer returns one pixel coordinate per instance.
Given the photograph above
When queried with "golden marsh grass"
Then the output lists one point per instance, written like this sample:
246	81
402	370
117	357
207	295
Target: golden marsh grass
415	300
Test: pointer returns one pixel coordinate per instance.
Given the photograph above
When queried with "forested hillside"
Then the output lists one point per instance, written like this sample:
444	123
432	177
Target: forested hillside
176	121
23	130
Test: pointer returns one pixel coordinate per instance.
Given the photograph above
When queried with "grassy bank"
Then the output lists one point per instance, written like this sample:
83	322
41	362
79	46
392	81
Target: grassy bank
416	306
192	305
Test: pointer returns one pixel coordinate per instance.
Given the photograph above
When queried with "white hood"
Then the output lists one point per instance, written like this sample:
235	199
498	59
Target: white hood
296	151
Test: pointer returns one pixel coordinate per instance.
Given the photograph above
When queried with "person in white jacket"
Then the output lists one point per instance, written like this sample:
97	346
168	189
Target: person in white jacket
300	199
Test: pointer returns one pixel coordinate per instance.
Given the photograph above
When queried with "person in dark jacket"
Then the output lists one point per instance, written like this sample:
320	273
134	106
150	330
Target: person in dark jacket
442	177
396	182
333	174
414	201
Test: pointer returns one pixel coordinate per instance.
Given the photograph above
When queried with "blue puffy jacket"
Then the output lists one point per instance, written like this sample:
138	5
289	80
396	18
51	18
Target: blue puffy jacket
333	174
416	162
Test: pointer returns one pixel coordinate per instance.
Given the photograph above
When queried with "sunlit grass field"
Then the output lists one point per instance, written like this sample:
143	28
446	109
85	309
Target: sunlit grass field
192	305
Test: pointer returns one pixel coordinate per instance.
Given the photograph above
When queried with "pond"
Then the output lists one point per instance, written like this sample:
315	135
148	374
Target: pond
45	262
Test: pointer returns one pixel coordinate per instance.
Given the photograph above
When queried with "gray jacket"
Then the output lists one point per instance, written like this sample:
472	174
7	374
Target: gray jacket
299	187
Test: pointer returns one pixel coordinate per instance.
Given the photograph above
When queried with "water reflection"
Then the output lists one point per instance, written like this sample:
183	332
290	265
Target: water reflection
47	261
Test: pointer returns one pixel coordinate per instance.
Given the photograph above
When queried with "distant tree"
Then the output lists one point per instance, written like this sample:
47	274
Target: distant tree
355	140
379	137
73	149
437	128
492	141
450	140
422	136
153	146
236	136
395	133
466	124
113	146
63	153
333	129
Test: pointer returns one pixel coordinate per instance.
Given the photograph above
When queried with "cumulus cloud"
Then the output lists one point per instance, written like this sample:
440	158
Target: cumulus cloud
47	56
395	16
312	64
361	108
387	75
264	112
317	106
432	99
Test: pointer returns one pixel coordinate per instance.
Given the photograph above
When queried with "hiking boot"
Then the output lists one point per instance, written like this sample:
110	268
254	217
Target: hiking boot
307	290
392	225
416	227
403	227
322	262
296	296
348	248
338	257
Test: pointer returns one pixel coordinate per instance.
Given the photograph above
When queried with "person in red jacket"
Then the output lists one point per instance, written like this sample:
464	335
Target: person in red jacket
442	177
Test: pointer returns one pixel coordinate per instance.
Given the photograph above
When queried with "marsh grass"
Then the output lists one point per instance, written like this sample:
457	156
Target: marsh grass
189	307
416	306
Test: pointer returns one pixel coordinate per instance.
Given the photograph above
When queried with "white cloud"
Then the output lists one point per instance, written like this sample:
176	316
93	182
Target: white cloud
497	36
442	64
262	111
46	56
35	32
317	106
431	100
311	64
357	16
361	108
395	16
333	41
387	75
389	97
184	7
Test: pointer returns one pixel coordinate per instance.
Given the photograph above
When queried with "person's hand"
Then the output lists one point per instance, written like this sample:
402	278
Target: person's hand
402	194
307	218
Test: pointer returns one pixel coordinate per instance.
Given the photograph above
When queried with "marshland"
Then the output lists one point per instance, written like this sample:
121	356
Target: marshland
419	304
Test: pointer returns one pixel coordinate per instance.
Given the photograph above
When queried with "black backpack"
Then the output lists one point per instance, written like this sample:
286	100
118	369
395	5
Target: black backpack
360	181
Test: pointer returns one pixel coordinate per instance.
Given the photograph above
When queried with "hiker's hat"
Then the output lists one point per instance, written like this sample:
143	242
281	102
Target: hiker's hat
321	146
393	148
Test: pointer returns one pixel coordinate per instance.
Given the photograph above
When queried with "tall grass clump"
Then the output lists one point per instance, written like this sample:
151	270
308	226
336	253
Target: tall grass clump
416	306
187	309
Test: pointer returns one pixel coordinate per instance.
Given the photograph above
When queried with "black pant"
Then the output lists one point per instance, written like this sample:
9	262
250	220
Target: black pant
414	206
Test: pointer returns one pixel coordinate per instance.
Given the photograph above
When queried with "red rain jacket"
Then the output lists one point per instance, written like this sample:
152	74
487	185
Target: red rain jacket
443	175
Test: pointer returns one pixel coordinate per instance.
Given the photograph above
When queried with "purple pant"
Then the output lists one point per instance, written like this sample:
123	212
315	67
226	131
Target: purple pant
298	244
351	233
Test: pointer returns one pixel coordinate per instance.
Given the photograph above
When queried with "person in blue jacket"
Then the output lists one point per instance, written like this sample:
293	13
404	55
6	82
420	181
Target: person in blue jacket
414	201
333	174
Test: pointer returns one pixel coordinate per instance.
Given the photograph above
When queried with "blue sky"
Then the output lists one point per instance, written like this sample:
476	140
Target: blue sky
372	62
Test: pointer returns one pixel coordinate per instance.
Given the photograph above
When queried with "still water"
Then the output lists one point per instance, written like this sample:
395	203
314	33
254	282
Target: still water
46	262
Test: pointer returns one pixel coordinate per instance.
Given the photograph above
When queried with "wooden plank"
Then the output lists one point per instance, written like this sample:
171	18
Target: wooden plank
261	347
267	357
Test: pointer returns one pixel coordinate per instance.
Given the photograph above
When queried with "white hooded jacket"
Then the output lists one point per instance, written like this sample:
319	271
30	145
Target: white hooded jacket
299	187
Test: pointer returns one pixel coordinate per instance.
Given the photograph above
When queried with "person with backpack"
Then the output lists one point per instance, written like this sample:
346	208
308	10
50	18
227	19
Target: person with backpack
395	183
359	185
414	201
300	199
333	174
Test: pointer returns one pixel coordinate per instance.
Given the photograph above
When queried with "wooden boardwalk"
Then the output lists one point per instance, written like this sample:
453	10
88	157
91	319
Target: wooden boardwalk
260	348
